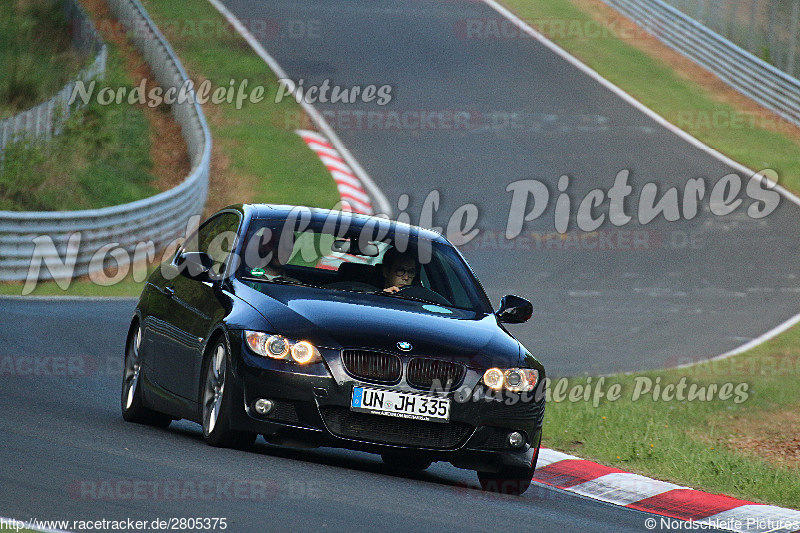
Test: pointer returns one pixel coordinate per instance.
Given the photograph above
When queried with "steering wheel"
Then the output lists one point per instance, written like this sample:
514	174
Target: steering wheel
423	293
351	286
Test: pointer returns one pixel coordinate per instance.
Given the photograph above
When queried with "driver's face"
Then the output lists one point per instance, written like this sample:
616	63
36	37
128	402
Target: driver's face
401	273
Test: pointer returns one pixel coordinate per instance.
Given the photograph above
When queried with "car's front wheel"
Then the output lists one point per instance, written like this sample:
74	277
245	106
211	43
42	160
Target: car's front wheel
133	410
218	402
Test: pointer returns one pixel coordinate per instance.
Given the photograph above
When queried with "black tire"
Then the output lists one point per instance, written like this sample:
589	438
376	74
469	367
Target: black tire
133	409
405	462
217	402
510	480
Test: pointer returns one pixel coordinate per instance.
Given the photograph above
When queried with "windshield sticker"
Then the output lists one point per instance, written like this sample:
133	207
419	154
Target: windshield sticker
437	309
257	272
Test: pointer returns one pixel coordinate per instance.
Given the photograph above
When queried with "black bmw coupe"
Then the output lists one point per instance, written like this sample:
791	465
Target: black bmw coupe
336	329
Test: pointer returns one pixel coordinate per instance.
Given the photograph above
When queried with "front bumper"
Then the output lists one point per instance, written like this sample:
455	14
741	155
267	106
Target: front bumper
312	406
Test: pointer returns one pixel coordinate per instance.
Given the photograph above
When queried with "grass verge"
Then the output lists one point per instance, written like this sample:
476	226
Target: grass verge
672	86
36	54
101	158
737	434
257	156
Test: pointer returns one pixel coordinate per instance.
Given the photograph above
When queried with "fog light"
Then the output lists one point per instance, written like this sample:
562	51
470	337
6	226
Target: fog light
516	439
263	406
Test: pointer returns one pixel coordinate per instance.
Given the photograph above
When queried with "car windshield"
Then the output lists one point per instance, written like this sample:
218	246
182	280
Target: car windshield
384	259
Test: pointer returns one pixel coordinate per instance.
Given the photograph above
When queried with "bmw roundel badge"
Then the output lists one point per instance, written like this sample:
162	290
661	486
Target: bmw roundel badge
404	346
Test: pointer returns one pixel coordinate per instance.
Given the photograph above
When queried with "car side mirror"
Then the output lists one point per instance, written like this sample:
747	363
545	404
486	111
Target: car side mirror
195	265
514	310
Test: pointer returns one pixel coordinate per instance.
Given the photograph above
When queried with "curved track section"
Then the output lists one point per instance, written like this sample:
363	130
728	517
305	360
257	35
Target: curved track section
697	289
68	455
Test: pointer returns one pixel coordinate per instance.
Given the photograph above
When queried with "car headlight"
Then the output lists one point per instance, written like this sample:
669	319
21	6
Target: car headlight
512	379
279	347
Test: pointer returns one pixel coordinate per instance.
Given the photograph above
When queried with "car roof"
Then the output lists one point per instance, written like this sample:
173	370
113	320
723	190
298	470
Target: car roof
318	215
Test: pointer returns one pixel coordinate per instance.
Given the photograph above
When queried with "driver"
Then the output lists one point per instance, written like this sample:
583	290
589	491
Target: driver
399	270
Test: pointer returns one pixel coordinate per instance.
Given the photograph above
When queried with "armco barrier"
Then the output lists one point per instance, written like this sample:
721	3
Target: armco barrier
159	218
764	83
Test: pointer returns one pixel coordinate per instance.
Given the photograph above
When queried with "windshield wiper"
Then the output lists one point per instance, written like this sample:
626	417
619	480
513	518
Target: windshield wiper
279	280
403	296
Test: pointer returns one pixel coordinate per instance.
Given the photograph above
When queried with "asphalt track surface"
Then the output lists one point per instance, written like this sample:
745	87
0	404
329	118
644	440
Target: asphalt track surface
700	288
67	454
65	444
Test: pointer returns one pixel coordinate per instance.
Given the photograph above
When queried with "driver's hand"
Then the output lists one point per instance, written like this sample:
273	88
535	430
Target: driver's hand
393	288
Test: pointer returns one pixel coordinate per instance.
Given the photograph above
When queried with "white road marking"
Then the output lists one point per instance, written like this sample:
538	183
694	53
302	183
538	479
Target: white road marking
382	203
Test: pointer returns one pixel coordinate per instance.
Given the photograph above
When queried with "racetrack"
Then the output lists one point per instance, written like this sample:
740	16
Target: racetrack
700	288
718	283
68	455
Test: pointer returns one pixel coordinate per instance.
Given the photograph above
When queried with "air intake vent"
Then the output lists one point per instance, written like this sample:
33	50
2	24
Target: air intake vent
433	373
399	431
372	366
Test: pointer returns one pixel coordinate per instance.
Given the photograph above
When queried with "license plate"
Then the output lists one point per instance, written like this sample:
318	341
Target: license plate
400	404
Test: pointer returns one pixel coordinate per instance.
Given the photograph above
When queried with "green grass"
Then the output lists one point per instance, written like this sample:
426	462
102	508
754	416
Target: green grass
36	55
654	83
82	287
268	162
258	138
693	442
102	158
690	443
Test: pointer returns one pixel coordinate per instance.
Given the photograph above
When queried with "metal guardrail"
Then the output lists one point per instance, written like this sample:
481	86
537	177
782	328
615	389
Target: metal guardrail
767	29
157	219
47	119
762	82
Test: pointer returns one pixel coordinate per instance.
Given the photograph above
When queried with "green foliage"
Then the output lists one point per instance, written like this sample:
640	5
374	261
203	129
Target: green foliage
36	56
101	158
259	138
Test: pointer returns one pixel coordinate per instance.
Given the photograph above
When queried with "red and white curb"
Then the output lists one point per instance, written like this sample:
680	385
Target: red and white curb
618	487
351	191
353	196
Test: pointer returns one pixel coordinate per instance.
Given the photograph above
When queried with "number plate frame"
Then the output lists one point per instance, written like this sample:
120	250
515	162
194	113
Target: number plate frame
414	406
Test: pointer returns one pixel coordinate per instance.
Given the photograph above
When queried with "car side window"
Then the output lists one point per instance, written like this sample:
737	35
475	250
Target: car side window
456	291
219	243
216	237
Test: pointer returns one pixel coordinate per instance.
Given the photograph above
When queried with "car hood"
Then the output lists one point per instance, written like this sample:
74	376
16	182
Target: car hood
339	319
